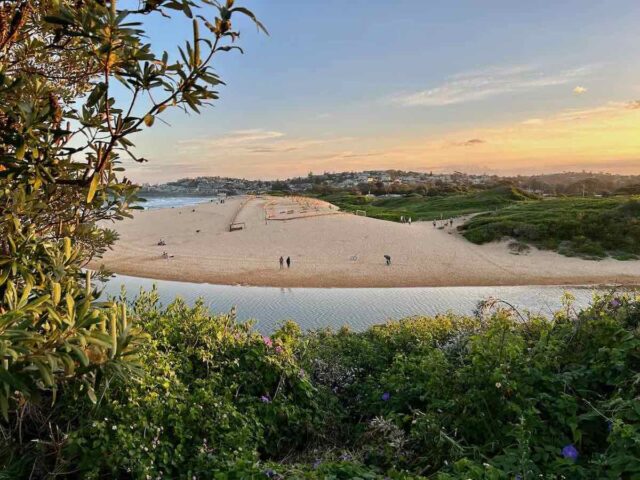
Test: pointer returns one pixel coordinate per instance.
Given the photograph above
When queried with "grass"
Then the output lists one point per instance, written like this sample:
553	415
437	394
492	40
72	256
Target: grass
429	208
586	227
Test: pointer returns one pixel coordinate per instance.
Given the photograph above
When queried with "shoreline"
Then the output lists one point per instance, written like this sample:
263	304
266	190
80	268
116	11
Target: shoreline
312	285
331	249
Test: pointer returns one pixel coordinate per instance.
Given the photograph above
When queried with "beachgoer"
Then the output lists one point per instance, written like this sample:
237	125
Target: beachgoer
281	262
409	220
288	262
434	224
451	222
387	259
401	218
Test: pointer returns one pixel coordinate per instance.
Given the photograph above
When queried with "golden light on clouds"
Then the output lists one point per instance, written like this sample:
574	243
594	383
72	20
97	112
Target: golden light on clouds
605	138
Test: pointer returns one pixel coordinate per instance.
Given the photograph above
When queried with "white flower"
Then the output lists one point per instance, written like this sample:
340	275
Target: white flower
498	385
114	428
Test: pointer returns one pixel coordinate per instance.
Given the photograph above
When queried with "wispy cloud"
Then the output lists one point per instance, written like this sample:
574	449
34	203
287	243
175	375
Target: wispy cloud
471	142
579	90
483	84
233	139
255	141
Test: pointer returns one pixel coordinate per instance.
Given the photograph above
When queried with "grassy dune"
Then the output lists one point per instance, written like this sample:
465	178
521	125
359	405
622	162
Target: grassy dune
586	227
429	208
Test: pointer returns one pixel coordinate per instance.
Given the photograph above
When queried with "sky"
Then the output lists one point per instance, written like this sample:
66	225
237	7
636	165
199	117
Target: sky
480	86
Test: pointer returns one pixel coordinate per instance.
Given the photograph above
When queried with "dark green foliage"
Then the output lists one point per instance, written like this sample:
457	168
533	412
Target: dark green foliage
494	396
429	208
62	135
590	228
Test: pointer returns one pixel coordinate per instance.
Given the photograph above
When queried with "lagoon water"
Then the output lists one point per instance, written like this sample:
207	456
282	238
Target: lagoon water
358	308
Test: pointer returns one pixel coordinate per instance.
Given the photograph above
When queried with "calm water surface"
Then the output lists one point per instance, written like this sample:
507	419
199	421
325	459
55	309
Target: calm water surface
358	308
153	203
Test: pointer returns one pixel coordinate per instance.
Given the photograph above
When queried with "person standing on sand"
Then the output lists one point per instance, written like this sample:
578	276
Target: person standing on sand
387	259
409	220
281	262
434	224
288	262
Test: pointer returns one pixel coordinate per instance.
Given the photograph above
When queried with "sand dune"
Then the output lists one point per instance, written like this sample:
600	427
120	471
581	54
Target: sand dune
330	249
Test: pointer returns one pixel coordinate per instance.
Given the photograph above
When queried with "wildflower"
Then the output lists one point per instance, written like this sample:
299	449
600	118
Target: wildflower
114	428
345	457
265	399
498	385
570	452
385	396
615	303
301	373
267	341
279	350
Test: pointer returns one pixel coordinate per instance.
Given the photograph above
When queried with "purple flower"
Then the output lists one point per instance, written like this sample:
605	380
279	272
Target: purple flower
317	464
267	341
615	303
386	396
265	399
279	350
570	452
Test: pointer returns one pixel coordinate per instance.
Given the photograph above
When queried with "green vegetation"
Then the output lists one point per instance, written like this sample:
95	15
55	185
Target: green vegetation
429	208
585	227
62	135
493	396
98	389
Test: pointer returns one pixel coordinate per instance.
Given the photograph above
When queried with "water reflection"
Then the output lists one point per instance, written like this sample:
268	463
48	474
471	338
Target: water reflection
358	308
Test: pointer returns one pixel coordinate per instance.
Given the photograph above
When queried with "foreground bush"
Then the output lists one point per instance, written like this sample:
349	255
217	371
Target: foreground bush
495	396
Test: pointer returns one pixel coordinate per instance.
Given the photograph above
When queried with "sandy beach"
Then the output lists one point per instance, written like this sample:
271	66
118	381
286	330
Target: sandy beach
329	248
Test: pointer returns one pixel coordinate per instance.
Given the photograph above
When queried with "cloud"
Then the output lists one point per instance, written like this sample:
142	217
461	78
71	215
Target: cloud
253	142
233	139
471	143
634	105
483	84
579	90
533	121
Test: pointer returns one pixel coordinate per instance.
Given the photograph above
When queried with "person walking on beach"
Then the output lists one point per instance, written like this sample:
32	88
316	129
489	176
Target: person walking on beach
281	262
288	262
387	259
409	220
434	224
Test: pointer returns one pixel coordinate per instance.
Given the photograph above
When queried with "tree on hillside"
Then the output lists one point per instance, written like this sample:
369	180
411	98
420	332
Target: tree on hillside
62	136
